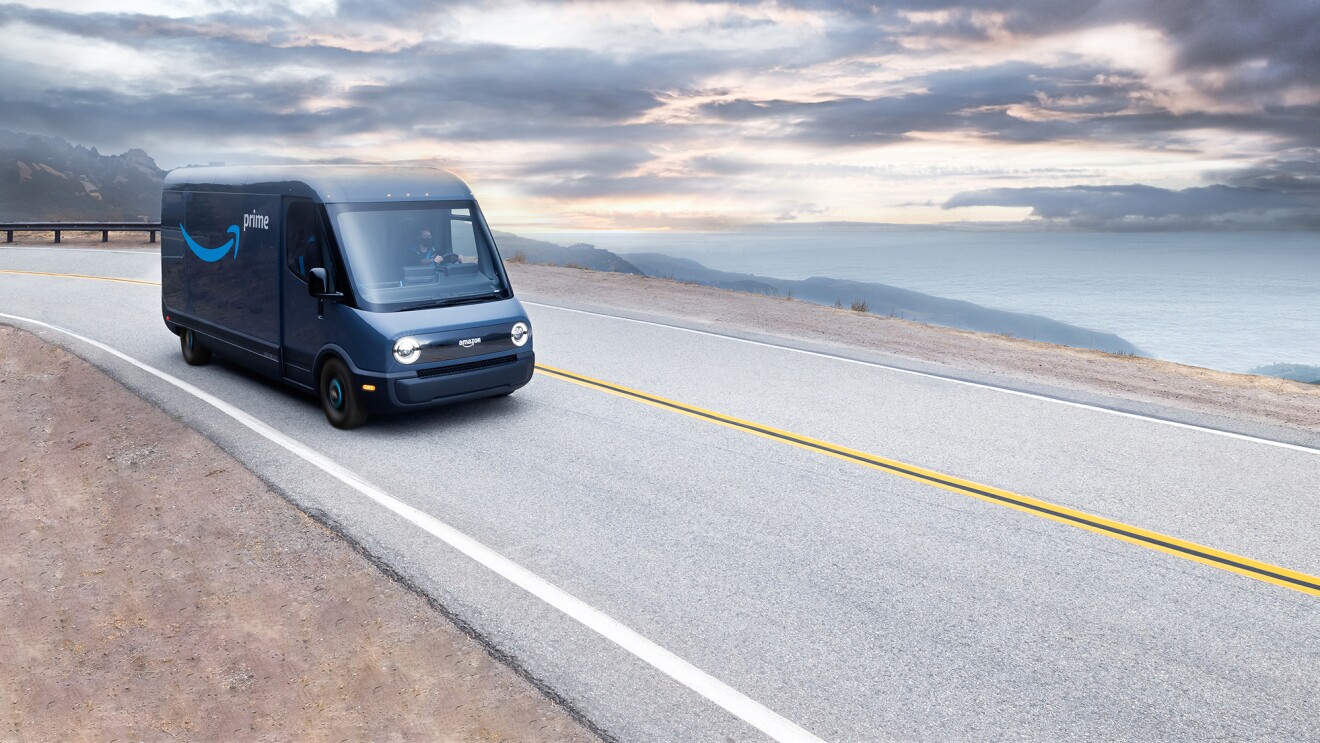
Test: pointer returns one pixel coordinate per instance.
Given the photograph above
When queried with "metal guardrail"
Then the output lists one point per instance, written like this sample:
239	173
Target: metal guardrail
105	228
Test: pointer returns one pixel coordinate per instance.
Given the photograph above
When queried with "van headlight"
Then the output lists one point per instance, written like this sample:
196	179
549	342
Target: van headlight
520	333
407	350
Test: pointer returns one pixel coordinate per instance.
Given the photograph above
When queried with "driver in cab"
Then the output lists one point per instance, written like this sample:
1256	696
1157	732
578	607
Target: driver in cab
428	253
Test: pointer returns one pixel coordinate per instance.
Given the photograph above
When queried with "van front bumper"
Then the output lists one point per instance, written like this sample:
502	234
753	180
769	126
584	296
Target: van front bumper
452	383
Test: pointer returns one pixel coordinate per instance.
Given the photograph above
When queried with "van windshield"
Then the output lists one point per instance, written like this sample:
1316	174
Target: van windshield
418	254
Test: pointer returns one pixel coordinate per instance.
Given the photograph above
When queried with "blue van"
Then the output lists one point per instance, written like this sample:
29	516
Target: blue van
379	289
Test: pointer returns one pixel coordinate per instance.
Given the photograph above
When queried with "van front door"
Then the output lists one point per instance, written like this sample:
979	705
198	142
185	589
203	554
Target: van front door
303	330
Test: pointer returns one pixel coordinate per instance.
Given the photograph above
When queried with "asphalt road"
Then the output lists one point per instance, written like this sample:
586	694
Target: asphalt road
857	604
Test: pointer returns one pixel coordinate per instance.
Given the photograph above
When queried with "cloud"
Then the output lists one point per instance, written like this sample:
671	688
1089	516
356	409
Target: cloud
1014	101
1241	51
1298	172
596	187
785	109
1139	207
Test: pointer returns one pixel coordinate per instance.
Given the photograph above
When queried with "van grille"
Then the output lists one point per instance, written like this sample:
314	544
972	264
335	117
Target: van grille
472	366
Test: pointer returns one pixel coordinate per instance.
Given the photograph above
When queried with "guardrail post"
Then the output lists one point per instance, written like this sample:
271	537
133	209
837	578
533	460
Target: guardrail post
153	236
105	236
57	236
9	236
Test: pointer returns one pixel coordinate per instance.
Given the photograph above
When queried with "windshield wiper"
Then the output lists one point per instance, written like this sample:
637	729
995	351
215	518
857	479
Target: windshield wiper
451	301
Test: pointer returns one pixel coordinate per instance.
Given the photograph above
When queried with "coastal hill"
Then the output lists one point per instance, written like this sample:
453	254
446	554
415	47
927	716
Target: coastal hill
1295	372
47	179
580	255
883	299
877	298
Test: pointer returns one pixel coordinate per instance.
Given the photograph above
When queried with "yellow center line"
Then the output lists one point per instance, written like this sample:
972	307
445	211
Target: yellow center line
1263	571
140	282
1256	569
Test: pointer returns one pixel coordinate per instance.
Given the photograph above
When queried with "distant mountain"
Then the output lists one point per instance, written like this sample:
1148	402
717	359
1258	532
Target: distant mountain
882	299
47	179
580	254
1296	372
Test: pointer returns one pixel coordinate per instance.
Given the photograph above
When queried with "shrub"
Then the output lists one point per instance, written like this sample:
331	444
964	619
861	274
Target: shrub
838	304
519	257
860	305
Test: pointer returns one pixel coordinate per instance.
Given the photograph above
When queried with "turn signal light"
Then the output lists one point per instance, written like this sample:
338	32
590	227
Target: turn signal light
369	387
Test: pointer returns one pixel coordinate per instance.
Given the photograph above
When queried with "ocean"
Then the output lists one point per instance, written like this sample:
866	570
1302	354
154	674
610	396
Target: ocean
1226	300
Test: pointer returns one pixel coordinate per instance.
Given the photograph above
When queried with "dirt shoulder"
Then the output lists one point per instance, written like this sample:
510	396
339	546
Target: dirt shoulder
152	588
1244	397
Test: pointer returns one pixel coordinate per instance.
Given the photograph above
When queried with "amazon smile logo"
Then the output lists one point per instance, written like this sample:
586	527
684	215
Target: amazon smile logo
211	255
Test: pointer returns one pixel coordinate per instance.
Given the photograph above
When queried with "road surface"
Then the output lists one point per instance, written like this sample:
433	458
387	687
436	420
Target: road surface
693	538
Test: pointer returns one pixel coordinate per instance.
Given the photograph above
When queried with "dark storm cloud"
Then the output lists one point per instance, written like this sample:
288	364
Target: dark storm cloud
437	90
216	111
1147	207
127	27
1282	37
524	84
590	161
595	187
394	12
1297	173
974	100
1079	102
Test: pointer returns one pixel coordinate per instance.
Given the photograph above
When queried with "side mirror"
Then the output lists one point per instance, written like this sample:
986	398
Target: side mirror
316	280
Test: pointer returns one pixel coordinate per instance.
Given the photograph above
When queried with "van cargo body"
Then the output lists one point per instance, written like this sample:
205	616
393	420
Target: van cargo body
378	289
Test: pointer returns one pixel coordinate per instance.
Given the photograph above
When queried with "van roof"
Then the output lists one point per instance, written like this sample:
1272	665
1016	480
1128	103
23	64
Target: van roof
330	184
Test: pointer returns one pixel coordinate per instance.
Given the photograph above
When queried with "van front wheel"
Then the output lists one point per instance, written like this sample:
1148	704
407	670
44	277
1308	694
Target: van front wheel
194	353
342	405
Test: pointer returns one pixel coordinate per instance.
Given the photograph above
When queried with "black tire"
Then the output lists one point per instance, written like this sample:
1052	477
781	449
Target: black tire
339	399
195	353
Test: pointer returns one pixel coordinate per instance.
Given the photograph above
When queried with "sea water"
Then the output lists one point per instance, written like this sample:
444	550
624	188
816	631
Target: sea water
1225	300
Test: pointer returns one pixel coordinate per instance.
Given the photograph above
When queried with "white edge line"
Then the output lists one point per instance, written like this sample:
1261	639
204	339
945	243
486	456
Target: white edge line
735	702
953	380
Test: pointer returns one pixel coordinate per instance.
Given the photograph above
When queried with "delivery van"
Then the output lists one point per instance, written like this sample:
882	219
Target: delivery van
379	289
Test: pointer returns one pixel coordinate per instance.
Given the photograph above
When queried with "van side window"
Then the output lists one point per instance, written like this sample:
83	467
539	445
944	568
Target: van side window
171	210
463	239
305	243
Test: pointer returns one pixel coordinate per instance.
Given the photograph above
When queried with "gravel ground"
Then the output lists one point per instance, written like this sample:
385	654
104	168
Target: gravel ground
994	358
152	588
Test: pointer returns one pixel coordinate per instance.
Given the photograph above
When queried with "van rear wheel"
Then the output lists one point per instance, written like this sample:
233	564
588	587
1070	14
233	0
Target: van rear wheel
342	405
194	353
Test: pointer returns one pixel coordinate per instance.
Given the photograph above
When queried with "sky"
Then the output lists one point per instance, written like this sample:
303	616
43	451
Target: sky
1108	115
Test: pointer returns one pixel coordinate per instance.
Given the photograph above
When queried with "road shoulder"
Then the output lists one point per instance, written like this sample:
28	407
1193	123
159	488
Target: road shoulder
155	588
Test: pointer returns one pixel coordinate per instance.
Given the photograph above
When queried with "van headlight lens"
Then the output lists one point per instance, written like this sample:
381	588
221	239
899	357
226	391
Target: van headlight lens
520	333
407	350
